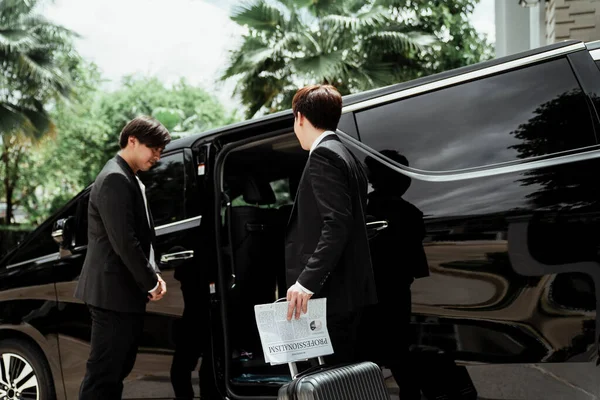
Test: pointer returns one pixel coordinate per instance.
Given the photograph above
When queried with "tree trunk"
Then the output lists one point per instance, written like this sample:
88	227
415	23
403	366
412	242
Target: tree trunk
7	186
9	205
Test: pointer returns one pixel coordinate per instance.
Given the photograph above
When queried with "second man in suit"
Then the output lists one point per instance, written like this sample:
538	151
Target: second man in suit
326	248
119	274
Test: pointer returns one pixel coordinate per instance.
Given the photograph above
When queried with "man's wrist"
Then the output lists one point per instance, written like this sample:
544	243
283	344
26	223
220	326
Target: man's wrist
302	288
155	287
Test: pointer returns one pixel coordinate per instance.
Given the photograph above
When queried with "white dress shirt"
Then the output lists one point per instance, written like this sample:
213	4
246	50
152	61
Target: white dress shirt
151	257
317	141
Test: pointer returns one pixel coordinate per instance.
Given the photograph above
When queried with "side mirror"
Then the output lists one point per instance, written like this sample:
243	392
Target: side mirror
63	233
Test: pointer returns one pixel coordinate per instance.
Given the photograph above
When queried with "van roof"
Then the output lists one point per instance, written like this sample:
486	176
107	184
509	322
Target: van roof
348	100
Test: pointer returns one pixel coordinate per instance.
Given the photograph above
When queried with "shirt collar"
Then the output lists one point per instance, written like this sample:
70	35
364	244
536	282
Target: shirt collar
319	139
124	165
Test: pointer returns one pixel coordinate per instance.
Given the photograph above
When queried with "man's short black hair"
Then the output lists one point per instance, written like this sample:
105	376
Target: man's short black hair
148	130
320	104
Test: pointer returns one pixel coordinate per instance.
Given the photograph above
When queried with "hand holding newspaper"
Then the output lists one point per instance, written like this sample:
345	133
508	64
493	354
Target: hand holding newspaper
286	341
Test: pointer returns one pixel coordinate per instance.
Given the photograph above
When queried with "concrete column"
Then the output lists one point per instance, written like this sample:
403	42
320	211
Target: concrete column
513	27
537	22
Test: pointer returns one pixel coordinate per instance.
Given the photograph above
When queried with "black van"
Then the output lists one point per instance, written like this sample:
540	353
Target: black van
503	160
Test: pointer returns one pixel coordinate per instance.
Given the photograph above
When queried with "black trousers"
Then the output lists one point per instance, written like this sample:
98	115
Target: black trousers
343	332
114	345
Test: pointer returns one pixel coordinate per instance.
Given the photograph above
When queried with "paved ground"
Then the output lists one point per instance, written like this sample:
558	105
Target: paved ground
568	381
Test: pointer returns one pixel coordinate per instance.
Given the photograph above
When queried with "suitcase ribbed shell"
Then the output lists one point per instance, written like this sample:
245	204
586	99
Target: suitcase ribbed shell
362	381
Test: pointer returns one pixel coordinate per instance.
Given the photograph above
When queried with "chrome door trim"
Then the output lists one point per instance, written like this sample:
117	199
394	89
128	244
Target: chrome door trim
160	230
39	260
178	226
377	225
480	73
478	172
181	255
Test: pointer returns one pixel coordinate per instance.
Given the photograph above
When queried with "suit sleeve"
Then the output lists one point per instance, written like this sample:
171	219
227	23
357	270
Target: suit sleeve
115	205
329	181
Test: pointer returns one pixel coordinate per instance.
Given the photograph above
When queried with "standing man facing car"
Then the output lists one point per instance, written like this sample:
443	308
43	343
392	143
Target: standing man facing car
120	274
326	248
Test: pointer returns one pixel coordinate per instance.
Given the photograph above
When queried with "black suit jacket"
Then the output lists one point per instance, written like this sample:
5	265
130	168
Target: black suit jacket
326	247
117	274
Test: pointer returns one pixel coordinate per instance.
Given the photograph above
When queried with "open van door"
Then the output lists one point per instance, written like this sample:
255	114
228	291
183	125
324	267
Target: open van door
253	203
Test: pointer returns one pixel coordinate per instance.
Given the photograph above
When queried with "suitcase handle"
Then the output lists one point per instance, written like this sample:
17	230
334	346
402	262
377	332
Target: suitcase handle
294	368
292	365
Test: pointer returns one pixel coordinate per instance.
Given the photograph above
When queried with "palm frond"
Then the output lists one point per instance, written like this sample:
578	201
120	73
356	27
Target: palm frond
11	10
39	22
309	43
15	40
33	120
324	67
355	6
36	67
10	118
238	63
398	41
321	8
295	4
393	3
258	15
378	74
37	123
374	17
256	56
275	50
259	91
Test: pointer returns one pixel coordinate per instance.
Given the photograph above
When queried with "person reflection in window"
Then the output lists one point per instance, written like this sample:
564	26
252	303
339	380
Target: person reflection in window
398	259
191	334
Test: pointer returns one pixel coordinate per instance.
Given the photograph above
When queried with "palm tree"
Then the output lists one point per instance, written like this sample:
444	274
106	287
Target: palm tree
31	48
32	52
353	44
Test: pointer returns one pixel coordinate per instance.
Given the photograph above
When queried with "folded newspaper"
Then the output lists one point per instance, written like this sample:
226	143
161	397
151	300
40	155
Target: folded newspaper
286	341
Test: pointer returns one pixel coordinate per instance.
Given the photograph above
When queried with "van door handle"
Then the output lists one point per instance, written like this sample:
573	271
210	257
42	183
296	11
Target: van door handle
181	255
377	225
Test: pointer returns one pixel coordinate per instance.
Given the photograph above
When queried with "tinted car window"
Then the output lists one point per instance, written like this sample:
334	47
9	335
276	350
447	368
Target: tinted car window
514	115
165	189
41	243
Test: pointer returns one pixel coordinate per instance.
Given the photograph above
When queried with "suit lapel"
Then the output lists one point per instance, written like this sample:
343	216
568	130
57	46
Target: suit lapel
129	172
152	232
133	180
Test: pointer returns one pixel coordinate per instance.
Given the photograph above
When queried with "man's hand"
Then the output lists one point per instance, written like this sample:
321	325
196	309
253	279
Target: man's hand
298	301
160	291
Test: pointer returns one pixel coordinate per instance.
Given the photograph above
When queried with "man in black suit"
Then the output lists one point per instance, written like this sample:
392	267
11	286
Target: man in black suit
119	274
326	248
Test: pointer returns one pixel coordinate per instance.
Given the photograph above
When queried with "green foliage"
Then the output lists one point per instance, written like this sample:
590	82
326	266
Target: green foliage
355	45
35	75
182	108
459	44
55	169
32	50
11	235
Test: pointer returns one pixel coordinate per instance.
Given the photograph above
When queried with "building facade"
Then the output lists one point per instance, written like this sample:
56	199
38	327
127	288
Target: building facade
527	24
